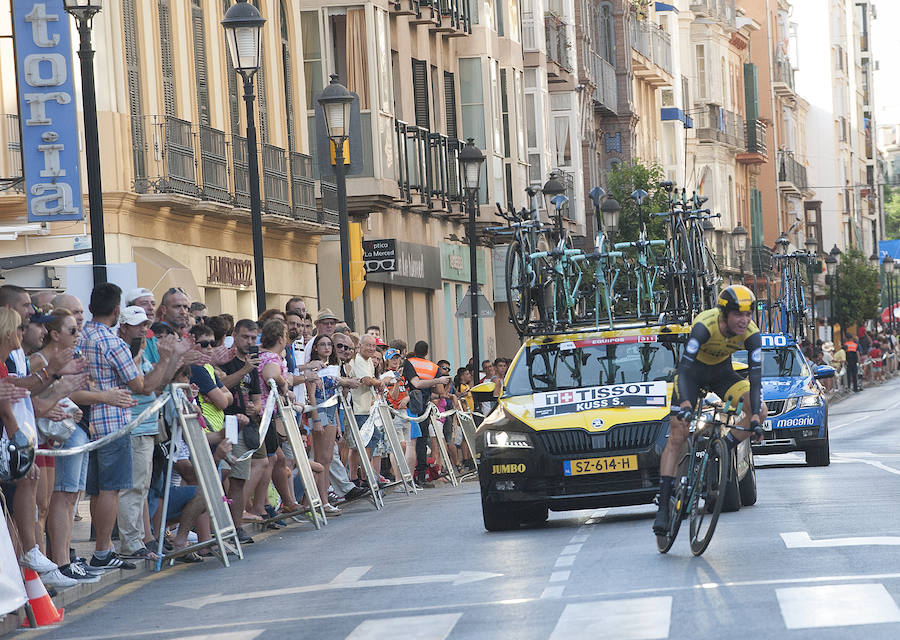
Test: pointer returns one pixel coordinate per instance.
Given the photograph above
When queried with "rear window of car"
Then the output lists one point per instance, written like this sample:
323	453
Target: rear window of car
560	366
779	362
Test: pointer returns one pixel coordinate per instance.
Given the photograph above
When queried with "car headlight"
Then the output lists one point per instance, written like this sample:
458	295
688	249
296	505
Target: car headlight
810	401
507	440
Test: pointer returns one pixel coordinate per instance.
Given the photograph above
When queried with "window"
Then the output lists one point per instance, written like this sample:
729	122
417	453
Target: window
135	102
287	76
168	70
471	99
606	36
700	57
504	110
420	93
200	70
495	106
519	101
437	97
514	19
382	47
398	86
498	17
312	56
450	104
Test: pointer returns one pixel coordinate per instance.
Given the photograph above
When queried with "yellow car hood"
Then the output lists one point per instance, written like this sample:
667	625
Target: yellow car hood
597	420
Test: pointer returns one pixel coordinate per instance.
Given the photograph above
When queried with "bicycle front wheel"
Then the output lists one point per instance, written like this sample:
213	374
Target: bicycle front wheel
518	287
709	495
664	543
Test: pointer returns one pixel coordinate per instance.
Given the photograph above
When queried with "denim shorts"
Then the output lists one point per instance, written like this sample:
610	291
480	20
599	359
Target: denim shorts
109	467
179	496
328	416
71	471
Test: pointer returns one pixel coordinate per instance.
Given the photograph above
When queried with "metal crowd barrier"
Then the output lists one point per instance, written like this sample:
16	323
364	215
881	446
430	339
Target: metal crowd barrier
365	462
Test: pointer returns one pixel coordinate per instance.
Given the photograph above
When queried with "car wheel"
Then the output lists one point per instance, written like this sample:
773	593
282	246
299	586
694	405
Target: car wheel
534	515
733	492
820	456
498	517
747	485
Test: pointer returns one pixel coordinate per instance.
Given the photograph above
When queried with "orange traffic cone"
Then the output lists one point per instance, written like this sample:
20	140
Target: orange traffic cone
45	613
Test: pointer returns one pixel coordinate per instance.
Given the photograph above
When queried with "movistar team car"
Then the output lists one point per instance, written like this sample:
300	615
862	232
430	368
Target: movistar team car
798	408
582	423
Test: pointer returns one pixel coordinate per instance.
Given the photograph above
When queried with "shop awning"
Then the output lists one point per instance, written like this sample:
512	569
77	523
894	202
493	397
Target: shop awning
158	272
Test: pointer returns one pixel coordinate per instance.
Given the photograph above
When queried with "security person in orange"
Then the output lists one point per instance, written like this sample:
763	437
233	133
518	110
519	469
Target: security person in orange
852	349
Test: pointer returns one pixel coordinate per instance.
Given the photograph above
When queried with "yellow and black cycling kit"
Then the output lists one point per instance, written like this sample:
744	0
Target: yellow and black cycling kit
706	363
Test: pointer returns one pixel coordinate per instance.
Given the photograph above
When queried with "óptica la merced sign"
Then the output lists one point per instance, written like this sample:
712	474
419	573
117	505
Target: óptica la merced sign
48	118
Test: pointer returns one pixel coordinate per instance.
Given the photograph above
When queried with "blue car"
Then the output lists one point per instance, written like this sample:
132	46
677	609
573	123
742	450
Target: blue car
797	407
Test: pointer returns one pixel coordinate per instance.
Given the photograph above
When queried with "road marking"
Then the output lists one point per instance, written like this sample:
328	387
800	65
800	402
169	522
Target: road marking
249	634
564	561
836	605
630	619
350	574
560	576
581	537
463	577
801	540
571	549
552	592
435	627
873	463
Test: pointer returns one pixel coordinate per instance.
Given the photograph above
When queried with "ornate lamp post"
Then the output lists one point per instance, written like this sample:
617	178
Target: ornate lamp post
812	247
84	11
470	160
739	238
610	210
831	266
336	101
243	31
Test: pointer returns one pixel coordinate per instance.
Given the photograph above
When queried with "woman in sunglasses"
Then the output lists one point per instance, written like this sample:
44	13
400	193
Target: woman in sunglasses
324	421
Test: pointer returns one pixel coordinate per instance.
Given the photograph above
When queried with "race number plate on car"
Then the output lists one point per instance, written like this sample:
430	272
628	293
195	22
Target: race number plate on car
767	425
635	394
610	464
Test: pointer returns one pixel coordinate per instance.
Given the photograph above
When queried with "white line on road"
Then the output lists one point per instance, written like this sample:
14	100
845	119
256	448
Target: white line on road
552	592
560	576
564	561
249	634
436	627
872	463
836	605
801	540
631	619
571	549
581	537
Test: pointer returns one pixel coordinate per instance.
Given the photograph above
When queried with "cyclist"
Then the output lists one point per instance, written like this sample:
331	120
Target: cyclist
706	364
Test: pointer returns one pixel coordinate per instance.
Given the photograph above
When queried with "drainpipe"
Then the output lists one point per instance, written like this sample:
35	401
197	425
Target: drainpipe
771	56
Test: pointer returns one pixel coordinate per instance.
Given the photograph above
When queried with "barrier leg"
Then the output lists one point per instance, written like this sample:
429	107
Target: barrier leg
442	447
377	496
164	507
467	426
307	477
387	419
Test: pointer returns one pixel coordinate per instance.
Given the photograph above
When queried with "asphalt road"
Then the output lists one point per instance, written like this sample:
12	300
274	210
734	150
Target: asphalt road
816	557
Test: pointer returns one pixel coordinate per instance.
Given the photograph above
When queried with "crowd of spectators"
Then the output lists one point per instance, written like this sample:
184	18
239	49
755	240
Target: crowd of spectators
863	357
65	382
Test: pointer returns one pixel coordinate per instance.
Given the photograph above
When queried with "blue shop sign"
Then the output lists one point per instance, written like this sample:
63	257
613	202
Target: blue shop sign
47	110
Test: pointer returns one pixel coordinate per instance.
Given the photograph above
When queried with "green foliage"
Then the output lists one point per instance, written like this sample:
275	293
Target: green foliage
858	289
625	178
892	213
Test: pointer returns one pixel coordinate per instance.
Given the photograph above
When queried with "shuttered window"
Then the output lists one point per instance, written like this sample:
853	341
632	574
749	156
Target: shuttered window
751	95
504	110
450	104
201	75
234	98
168	69
420	93
263	104
135	101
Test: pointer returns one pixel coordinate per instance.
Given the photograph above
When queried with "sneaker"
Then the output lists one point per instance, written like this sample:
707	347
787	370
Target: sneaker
36	561
83	563
76	571
244	537
355	493
57	580
427	485
331	510
661	523
112	561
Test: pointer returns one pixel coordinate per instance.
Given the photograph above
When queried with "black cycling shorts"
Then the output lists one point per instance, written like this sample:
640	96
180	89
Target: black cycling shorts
720	379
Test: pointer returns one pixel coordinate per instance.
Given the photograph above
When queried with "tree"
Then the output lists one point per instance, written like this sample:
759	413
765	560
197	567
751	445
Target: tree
891	213
857	298
625	178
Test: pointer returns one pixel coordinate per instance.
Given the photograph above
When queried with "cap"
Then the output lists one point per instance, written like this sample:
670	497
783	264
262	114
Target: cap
134	294
326	314
391	353
39	316
133	316
380	343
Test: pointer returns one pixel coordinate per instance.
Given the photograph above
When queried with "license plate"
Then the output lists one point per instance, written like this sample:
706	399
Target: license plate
611	464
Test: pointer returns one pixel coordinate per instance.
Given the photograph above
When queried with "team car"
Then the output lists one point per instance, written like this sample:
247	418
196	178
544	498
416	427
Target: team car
581	423
798	408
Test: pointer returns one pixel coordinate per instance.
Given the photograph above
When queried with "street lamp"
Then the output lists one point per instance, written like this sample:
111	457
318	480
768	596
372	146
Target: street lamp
336	101
831	264
470	160
610	210
739	238
782	244
243	31
84	11
889	272
812	247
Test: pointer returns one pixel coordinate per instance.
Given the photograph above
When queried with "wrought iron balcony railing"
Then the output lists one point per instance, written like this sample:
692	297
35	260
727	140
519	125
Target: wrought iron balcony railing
557	41
428	167
791	172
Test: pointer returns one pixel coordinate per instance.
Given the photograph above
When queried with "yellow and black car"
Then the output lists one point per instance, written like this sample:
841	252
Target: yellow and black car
581	424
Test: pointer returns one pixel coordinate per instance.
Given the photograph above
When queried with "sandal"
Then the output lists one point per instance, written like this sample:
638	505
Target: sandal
189	558
251	517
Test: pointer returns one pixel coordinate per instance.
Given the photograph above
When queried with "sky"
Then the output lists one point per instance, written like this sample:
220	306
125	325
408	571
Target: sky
886	49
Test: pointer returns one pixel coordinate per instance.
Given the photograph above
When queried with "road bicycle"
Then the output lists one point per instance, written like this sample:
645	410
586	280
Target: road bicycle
791	304
706	271
678	261
703	474
646	265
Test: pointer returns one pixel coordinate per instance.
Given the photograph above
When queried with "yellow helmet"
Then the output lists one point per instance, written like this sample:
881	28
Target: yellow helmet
737	297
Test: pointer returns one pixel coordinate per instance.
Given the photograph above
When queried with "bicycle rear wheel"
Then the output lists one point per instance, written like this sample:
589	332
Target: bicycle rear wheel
518	287
710	490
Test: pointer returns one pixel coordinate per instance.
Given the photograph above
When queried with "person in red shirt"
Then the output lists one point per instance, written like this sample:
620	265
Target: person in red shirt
875	357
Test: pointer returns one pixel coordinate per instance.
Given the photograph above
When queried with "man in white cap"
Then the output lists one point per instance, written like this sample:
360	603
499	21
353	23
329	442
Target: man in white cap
326	323
144	299
134	524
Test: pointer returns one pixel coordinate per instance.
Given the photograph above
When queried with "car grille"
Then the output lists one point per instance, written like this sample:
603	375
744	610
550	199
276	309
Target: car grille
775	407
634	435
599	483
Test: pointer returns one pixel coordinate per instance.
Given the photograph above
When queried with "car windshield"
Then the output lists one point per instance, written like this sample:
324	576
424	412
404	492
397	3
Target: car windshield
572	365
779	362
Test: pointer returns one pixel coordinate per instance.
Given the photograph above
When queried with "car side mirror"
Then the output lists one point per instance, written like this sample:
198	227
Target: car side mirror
823	371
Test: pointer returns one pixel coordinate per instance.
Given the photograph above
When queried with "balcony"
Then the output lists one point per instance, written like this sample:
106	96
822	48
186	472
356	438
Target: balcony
450	17
755	135
761	260
213	171
719	10
602	75
428	169
791	174
783	78
11	165
720	125
558	63
652	53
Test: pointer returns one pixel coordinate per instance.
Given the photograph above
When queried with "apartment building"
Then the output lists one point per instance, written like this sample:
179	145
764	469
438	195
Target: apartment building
842	155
